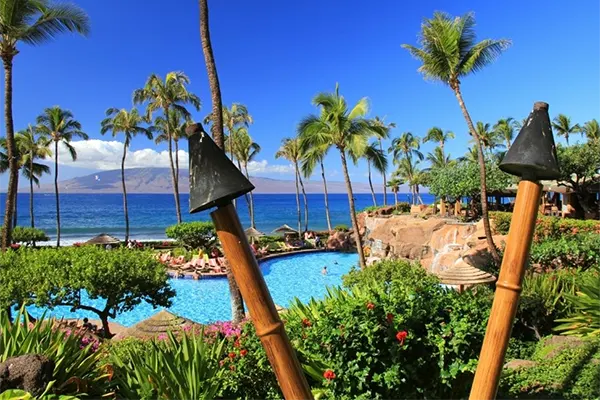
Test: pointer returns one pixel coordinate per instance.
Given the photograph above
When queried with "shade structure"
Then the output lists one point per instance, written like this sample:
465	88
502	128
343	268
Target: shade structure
103	239
253	233
462	274
285	228
159	323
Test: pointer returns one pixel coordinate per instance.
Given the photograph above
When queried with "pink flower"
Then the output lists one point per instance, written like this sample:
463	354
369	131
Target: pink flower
243	352
329	375
162	336
370	306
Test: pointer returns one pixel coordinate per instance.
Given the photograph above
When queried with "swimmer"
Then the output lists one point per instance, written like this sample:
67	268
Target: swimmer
324	270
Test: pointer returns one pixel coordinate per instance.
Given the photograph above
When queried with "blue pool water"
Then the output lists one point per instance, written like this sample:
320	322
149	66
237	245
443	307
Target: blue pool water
207	300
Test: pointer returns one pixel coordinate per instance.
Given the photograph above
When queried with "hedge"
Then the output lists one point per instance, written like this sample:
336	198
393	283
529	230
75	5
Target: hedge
547	227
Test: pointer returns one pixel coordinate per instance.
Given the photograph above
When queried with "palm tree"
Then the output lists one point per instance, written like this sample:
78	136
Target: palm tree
170	94
346	129
175	123
562	126
438	159
472	155
311	156
409	172
237	303
405	146
33	147
520	124
436	134
394	185
449	53
382	131
591	130
130	124
376	157
290	150
245	150
505	129
32	22
490	139
60	127
29	148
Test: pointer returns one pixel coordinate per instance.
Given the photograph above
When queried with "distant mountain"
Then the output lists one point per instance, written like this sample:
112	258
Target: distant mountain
158	180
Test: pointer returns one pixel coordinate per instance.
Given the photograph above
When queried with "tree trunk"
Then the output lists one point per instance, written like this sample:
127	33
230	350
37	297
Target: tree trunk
396	198
31	192
15	217
176	141
173	176
213	77
384	178
251	197
246	195
105	325
237	305
482	178
326	196
232	158
507	144
357	238
11	152
298	201
305	203
371	183
56	194
125	192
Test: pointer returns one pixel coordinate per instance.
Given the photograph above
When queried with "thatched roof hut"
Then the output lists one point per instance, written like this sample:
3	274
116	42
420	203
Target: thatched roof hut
103	239
285	228
160	323
463	274
253	233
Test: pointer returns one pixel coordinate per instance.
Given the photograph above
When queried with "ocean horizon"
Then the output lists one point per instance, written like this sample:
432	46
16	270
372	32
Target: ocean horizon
84	216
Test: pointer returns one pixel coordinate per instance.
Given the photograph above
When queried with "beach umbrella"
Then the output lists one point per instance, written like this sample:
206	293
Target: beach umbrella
103	239
253	233
159	323
285	228
462	274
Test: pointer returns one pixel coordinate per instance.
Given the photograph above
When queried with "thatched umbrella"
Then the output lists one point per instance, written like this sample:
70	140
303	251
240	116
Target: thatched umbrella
462	274
285	228
253	233
103	239
160	323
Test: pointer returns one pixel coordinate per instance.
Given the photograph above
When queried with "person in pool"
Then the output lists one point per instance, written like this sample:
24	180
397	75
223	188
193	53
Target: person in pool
324	270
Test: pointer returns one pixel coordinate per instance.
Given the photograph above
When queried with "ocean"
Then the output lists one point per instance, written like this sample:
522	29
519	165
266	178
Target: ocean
85	215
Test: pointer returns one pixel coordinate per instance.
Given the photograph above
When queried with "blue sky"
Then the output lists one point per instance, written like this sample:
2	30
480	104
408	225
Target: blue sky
274	56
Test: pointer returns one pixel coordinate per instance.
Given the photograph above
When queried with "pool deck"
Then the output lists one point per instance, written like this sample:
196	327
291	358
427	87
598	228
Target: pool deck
194	275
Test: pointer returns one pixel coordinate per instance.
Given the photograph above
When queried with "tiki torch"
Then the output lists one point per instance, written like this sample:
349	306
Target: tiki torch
214	182
532	157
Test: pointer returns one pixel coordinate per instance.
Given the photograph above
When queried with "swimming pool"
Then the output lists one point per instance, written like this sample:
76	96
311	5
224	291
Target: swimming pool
207	300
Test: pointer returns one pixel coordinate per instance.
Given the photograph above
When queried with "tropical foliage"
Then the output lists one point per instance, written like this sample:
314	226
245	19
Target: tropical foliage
290	150
61	128
28	235
32	22
193	235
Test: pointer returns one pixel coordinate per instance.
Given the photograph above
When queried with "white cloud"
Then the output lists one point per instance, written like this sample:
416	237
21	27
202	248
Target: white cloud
106	155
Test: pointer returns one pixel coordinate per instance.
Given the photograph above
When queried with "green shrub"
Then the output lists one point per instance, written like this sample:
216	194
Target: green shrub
403	207
561	372
56	276
341	228
585	320
28	235
543	300
394	334
181	368
76	369
547	227
197	234
580	251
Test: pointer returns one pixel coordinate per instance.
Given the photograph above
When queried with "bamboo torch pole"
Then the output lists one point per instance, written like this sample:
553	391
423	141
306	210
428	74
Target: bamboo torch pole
508	289
265	318
532	157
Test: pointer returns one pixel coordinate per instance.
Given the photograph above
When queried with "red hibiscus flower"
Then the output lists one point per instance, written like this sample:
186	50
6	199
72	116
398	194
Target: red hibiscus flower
306	322
243	352
390	318
232	355
370	306
401	336
329	375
